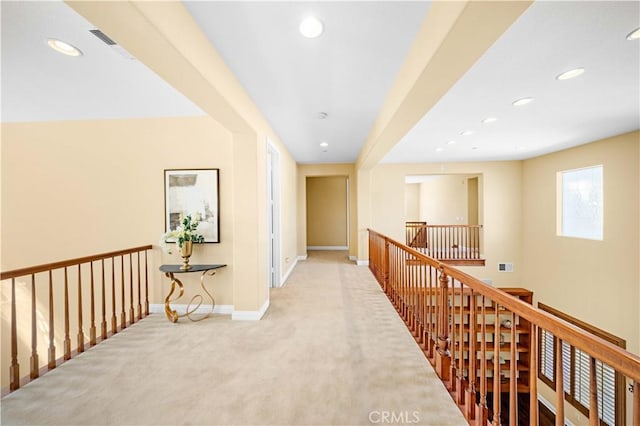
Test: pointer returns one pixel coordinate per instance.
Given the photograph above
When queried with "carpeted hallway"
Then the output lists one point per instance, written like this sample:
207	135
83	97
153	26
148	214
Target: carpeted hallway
331	350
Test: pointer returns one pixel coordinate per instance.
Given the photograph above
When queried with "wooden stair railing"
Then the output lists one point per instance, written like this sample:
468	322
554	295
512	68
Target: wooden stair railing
121	276
489	364
451	244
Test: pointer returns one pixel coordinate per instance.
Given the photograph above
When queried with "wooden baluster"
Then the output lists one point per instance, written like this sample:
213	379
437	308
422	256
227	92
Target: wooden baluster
513	374
92	327
132	317
103	324
52	346
14	370
559	384
80	332
123	316
470	394
453	342
483	410
533	375
114	319
67	339
594	418
385	266
35	363
146	284
636	403
139	284
497	391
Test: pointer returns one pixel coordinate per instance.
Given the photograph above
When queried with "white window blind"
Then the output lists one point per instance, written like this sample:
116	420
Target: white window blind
581	196
576	373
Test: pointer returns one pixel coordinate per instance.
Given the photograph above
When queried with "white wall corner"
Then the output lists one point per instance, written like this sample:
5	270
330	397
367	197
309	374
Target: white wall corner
250	315
362	262
302	257
158	308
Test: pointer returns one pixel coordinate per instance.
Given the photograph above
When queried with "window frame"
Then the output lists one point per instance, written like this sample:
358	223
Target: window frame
560	197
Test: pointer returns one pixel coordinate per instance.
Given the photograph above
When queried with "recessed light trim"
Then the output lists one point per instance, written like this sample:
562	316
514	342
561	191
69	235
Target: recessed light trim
570	74
63	47
466	133
451	143
522	101
634	35
489	120
311	27
439	149
324	144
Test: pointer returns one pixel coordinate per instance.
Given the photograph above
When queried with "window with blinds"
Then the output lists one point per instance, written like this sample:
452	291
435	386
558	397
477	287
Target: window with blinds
576	374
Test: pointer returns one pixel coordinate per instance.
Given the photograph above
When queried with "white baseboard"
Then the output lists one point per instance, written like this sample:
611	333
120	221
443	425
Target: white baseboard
250	315
284	279
552	408
353	258
362	263
327	248
302	257
158	308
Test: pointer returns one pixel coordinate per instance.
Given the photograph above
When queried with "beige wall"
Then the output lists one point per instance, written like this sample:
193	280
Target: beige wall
500	210
89	187
412	202
327	213
443	200
595	281
306	170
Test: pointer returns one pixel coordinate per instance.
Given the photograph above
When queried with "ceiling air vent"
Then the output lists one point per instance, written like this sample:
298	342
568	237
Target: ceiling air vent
112	44
102	36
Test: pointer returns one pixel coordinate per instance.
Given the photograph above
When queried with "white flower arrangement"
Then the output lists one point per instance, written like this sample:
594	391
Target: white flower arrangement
186	231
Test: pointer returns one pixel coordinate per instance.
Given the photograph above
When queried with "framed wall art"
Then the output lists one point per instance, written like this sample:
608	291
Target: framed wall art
194	192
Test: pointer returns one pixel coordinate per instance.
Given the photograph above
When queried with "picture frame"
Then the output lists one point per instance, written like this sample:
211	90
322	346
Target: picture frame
191	192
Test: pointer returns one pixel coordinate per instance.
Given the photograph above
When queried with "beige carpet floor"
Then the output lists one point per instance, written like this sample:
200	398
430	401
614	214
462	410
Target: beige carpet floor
331	350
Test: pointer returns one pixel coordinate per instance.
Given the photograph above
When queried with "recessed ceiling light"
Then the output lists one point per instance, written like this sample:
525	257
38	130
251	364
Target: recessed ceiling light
466	133
311	27
570	74
322	115
439	149
64	48
451	143
634	35
522	101
324	144
489	120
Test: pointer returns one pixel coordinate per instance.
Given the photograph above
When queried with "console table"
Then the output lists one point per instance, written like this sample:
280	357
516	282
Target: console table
170	271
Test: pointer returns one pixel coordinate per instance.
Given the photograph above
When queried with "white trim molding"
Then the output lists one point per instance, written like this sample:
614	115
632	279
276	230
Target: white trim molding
362	262
327	248
250	315
302	257
158	308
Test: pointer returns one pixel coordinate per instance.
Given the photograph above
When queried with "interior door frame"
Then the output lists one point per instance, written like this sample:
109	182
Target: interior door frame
273	215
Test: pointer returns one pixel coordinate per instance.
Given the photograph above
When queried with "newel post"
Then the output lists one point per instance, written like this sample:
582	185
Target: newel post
443	359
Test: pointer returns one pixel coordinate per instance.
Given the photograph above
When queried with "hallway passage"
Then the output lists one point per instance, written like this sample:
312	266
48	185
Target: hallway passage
331	350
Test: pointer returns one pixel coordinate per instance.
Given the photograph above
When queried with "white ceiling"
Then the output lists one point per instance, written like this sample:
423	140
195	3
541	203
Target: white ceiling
347	73
39	84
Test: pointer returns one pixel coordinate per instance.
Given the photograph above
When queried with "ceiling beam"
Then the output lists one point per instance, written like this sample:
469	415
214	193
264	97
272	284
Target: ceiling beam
452	38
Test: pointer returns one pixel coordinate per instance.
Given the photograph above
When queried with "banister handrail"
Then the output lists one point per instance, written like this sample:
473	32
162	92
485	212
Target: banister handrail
624	361
108	288
70	262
